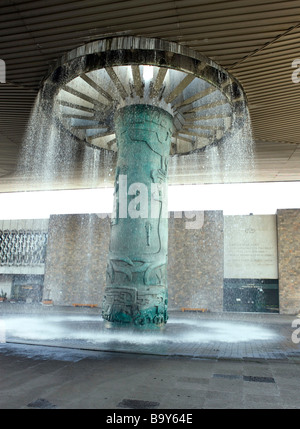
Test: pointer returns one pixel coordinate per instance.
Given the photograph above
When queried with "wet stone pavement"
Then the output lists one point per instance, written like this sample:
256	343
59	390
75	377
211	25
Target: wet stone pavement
51	359
38	377
202	335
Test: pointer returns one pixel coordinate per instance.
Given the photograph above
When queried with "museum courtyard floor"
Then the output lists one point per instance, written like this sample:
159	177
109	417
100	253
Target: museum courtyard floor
65	358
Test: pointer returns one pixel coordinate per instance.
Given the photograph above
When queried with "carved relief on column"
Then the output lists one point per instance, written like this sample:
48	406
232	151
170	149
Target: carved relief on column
136	289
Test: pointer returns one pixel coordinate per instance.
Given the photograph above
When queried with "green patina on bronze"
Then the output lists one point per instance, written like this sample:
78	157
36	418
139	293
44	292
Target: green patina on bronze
136	290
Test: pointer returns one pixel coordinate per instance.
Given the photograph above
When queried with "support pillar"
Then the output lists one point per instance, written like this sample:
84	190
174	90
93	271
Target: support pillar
136	287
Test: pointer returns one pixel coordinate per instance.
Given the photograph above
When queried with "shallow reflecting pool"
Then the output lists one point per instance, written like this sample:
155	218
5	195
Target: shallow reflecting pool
90	331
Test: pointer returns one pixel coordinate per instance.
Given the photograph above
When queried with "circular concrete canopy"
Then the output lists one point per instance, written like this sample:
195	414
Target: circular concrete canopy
92	82
254	41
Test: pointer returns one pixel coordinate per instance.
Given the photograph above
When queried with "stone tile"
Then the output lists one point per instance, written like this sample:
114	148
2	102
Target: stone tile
183	399
252	401
258	388
226	385
289	397
223	400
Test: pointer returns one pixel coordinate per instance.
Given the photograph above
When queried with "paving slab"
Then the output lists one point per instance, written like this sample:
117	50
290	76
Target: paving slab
62	359
211	335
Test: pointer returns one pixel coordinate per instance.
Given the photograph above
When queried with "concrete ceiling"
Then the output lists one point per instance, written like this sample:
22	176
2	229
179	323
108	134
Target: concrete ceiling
256	41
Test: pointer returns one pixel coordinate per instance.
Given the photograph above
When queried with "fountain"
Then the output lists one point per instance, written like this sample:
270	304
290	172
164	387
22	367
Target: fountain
146	100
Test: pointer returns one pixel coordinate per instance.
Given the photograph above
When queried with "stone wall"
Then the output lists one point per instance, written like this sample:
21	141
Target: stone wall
76	259
288	227
77	253
196	267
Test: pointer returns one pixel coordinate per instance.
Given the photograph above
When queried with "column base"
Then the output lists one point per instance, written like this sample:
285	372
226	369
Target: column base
140	306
